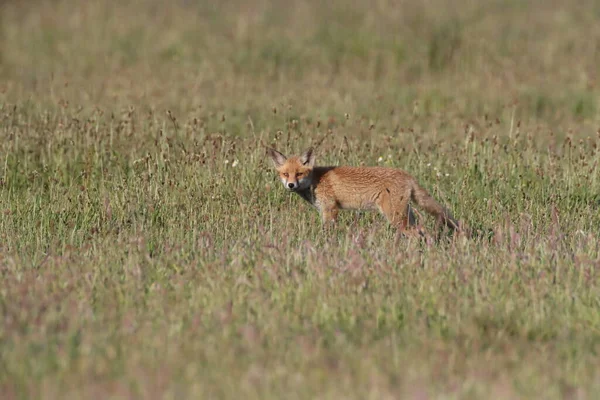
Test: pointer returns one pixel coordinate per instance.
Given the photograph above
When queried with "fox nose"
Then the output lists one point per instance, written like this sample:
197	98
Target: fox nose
291	185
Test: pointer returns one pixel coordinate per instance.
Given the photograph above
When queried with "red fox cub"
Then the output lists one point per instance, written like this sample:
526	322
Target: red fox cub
329	189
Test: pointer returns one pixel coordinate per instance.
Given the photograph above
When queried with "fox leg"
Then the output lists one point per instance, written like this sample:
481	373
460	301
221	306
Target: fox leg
395	213
397	210
329	213
412	221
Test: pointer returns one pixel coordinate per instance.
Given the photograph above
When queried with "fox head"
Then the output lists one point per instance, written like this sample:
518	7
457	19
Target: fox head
295	172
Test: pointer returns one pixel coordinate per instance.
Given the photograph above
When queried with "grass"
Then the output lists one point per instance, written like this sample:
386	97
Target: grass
147	249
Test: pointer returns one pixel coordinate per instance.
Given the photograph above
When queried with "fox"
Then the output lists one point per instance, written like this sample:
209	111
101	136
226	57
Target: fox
384	189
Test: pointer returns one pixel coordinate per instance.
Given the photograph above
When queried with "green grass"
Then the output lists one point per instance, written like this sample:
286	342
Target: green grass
147	249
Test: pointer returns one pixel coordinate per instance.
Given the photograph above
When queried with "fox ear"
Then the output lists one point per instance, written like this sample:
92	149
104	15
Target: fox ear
308	158
278	158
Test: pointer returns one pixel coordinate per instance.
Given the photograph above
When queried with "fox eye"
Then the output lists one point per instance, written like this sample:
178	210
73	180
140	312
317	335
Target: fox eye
298	175
286	174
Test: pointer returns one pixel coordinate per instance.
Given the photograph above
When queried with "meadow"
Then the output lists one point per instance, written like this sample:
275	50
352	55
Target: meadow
148	250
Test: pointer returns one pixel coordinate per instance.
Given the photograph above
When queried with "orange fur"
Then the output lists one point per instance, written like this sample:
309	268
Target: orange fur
330	189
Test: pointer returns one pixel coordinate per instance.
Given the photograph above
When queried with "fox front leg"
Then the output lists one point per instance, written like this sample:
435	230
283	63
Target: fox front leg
329	214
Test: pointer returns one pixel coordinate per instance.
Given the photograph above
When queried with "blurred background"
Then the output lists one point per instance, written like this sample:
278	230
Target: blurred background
452	57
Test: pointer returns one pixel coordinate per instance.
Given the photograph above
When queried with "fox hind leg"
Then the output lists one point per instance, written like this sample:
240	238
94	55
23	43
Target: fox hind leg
397	210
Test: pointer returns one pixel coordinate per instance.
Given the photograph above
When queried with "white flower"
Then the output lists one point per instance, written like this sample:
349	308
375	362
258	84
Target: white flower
447	174
380	159
236	162
429	164
226	161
